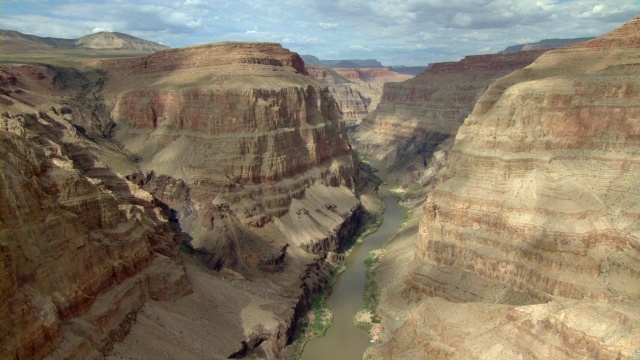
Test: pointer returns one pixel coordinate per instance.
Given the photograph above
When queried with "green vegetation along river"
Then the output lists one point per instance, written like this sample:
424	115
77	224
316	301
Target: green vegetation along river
343	340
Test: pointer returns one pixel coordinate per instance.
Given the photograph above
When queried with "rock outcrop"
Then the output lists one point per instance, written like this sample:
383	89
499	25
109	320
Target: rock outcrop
532	248
357	90
415	115
82	248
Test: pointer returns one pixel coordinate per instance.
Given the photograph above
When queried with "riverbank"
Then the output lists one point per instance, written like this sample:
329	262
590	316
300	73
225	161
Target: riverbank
343	340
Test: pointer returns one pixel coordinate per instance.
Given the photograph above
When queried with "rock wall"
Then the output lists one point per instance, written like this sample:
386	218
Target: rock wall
79	258
229	149
245	130
253	156
356	90
416	115
531	249
545	172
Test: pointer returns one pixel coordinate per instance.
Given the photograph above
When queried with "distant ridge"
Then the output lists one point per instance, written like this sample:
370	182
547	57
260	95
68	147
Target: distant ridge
118	41
343	63
14	41
409	70
546	44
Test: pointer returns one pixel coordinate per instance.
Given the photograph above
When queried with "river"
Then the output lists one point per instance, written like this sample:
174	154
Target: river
344	341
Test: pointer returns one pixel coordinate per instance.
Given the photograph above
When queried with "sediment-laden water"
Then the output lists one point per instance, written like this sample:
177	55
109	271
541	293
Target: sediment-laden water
344	341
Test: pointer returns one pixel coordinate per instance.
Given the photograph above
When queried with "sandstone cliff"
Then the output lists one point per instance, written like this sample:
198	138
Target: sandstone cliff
253	156
228	150
531	249
357	90
82	248
415	115
241	126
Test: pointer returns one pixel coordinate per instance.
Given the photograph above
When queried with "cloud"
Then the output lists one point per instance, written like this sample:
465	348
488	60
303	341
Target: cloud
392	31
328	26
359	47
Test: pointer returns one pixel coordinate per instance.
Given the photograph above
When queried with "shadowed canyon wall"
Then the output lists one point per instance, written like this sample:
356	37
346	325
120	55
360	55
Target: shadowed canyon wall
82	248
415	115
358	90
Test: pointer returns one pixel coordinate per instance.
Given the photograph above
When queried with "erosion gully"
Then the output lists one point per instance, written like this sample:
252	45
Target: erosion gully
343	340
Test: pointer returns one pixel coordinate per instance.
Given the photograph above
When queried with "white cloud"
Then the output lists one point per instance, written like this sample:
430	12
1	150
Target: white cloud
359	47
328	26
100	29
393	31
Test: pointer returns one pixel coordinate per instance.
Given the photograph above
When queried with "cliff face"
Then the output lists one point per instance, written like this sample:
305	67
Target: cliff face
230	149
244	130
548	160
535	237
415	115
356	90
253	156
81	253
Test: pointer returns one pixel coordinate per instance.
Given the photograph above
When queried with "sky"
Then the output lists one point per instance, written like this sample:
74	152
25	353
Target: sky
395	32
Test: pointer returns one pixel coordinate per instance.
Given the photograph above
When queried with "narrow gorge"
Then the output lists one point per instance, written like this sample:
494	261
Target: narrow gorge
218	177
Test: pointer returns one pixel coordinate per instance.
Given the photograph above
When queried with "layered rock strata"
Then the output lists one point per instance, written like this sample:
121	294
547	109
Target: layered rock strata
243	128
531	248
245	161
356	90
545	172
416	115
80	253
253	156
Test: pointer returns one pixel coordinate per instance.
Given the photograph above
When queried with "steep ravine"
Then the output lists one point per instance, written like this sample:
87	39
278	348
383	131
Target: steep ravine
343	340
242	158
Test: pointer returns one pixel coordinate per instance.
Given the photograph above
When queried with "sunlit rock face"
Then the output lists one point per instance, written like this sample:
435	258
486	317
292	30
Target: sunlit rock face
356	90
231	150
242	127
545	177
416	115
531	248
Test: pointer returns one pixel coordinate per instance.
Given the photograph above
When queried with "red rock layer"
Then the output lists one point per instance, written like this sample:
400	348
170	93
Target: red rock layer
417	114
202	56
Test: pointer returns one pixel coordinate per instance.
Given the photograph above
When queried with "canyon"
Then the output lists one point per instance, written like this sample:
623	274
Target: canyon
528	243
205	191
357	90
416	115
190	203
